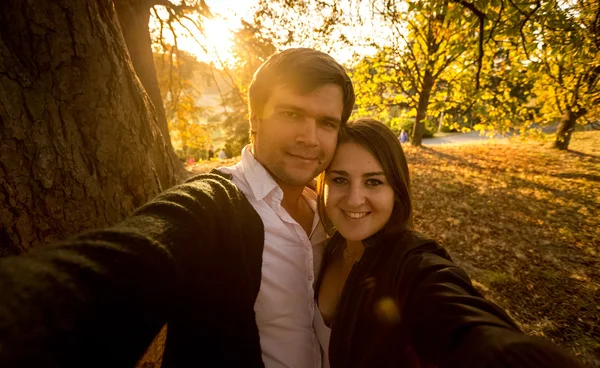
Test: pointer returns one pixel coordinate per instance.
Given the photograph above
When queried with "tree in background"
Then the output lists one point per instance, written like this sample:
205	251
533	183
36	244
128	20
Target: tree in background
81	145
429	43
505	102
543	67
134	16
563	45
182	80
251	49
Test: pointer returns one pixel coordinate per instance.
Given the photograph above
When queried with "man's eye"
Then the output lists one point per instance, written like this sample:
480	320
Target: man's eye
374	182
329	124
290	114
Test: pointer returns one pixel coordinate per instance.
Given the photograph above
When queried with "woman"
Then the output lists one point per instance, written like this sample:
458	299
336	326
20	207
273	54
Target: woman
391	297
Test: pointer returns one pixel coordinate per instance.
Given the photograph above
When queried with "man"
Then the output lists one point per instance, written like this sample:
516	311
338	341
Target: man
298	100
403	136
222	154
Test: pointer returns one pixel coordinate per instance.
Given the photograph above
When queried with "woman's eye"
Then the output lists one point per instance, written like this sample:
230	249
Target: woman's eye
339	180
374	182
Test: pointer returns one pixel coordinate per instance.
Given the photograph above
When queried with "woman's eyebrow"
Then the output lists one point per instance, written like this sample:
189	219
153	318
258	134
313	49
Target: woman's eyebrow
339	172
367	175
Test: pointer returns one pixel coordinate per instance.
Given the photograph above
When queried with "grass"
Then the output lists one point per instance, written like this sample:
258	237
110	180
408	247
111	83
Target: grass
523	220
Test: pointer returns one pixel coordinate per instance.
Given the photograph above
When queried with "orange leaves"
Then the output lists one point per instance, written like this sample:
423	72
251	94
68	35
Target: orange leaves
523	221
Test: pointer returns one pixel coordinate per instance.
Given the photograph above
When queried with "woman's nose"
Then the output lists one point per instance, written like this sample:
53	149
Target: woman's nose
355	197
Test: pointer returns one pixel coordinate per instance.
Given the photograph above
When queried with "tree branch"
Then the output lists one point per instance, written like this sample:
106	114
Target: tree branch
481	16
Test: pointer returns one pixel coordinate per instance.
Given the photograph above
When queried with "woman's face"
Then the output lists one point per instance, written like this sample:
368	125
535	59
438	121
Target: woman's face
358	197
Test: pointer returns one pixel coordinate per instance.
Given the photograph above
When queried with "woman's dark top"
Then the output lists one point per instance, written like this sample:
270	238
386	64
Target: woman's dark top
406	304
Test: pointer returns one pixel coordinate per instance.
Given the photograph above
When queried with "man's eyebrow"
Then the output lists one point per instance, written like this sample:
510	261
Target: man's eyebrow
288	106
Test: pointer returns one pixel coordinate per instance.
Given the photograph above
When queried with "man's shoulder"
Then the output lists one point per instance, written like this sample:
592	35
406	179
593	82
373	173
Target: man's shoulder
237	177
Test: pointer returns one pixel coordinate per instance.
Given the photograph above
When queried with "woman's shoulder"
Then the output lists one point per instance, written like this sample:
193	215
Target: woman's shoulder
413	243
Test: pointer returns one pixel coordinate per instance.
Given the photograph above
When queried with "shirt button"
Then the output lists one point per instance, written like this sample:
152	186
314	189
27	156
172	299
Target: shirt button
310	278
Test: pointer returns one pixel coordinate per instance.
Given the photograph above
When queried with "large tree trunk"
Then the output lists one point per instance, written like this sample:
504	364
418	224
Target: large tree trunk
134	16
419	126
565	129
80	146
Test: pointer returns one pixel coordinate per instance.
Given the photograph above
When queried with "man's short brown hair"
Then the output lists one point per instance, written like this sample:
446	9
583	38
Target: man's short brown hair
303	69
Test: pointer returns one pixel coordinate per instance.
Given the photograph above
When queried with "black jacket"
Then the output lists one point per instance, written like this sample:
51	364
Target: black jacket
191	257
405	304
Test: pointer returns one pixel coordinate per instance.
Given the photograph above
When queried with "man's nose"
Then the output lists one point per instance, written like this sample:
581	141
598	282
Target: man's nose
308	132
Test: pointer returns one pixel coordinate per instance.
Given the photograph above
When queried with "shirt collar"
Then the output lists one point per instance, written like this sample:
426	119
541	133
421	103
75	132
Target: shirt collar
260	181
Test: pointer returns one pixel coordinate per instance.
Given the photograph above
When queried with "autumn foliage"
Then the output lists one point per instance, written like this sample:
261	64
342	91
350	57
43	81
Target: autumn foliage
522	219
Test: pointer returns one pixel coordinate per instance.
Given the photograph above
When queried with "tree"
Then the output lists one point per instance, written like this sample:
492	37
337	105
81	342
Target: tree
80	146
543	67
182	80
134	16
564	47
505	102
251	48
428	50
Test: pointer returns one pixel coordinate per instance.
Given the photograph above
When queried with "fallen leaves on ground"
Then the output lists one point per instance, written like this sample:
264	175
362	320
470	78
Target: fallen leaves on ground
523	221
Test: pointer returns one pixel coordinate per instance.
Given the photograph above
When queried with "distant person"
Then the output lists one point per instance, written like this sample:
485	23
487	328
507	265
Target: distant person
211	153
222	154
389	297
403	136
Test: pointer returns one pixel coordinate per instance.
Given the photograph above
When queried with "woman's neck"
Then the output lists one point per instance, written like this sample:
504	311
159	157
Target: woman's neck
354	249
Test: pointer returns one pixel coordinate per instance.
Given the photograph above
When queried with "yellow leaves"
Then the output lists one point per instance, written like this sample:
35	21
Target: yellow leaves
453	221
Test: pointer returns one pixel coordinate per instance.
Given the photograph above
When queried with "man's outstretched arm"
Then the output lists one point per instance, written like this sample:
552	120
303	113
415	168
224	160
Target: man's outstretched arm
100	298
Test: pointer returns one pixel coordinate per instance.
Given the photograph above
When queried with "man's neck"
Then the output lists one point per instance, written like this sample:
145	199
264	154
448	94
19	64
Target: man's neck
292	196
296	206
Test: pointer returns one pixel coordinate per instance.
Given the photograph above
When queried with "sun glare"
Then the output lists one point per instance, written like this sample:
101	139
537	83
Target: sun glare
214	43
218	33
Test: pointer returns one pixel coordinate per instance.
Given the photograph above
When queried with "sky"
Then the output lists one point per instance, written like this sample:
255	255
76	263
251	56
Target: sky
218	33
217	38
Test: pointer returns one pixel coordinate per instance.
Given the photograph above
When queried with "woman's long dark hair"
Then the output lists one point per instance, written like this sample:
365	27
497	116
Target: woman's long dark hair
378	139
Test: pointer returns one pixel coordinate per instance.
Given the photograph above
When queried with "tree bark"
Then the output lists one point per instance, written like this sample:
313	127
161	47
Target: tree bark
80	146
565	129
419	126
134	16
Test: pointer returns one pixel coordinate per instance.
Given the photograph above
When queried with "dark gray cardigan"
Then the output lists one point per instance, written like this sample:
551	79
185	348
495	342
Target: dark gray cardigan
191	257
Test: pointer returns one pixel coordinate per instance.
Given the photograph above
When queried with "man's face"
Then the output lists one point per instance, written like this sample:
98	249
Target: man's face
296	134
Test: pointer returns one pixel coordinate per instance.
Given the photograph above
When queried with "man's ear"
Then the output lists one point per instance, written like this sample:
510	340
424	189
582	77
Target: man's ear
254	119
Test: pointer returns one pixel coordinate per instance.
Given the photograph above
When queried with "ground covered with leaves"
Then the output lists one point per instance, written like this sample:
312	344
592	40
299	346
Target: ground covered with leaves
524	222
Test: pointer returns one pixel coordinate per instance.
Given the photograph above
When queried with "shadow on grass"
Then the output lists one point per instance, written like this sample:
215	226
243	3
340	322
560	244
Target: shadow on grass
589	177
595	158
452	158
537	258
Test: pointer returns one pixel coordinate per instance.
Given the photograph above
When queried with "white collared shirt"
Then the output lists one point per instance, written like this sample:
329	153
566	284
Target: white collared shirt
285	305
